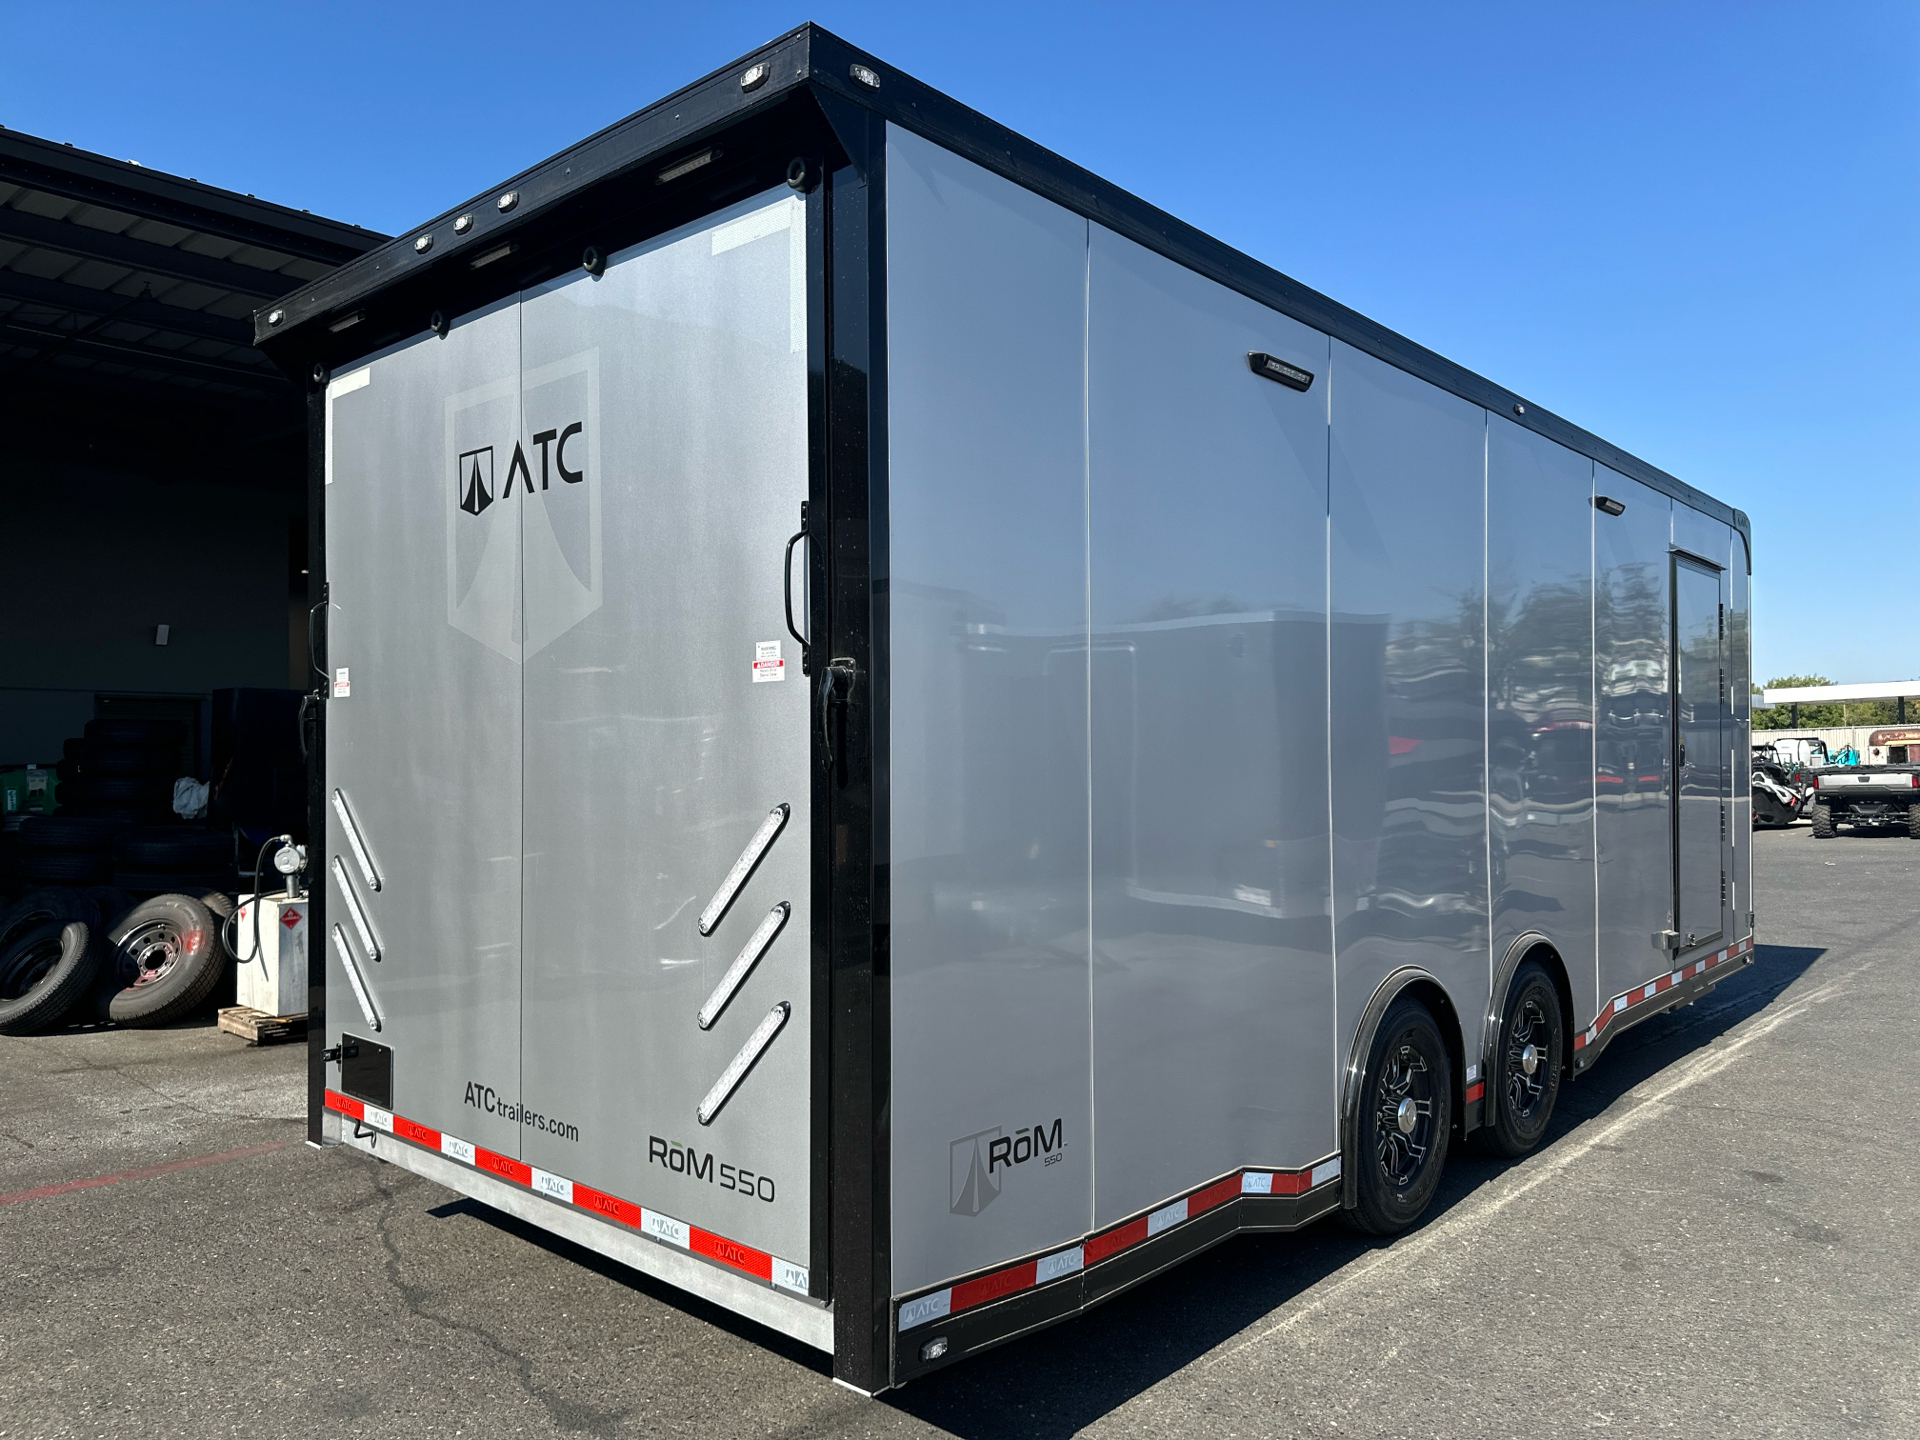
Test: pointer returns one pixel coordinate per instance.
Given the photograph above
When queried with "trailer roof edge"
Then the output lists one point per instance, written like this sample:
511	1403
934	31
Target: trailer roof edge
809	56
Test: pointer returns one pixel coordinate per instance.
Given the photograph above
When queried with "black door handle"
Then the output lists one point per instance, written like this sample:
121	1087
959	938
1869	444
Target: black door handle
786	579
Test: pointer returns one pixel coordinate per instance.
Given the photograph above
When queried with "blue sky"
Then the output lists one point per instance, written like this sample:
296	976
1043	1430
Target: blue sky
1690	228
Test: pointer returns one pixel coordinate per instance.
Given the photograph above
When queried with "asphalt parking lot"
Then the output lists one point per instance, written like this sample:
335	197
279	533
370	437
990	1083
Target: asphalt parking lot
1722	1236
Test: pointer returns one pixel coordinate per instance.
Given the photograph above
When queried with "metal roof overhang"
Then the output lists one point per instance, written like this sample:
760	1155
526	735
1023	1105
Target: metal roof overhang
394	289
125	304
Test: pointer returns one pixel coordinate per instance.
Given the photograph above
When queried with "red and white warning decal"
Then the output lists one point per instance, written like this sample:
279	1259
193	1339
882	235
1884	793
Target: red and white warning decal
767	663
1641	994
966	1294
679	1234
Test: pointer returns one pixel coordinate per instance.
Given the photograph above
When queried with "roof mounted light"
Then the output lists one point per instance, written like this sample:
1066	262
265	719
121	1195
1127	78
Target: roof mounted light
864	76
754	76
462	225
1607	505
274	317
422	244
507	201
687	166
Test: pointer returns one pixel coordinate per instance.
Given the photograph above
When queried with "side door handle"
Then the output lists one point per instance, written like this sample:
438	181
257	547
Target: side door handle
806	666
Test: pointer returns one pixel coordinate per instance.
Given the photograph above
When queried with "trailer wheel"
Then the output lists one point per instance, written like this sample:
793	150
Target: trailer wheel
1526	1065
1822	816
1406	1116
44	974
168	958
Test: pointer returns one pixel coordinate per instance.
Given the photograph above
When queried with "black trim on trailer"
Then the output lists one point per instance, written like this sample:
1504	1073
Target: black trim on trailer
995	1323
1684	993
316	719
809	58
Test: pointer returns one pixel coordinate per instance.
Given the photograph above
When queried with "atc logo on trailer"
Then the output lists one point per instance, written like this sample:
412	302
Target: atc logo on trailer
524	546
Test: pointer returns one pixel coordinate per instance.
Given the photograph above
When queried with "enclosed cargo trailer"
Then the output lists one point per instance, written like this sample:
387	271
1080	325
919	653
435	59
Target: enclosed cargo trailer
906	741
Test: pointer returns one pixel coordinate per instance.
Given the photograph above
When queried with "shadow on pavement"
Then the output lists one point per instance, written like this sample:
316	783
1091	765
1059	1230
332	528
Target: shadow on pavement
1060	1380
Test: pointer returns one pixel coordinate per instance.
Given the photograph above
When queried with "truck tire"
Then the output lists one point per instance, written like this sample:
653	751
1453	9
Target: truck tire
1913	822
39	907
69	832
1524	1079
1405	1119
174	847
1822	817
131	760
66	867
44	973
167	957
120	731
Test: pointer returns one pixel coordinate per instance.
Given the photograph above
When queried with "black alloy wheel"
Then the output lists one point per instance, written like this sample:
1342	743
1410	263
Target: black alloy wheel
1527	1063
1405	1121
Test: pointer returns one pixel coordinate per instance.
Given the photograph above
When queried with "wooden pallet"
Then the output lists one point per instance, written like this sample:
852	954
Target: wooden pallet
258	1028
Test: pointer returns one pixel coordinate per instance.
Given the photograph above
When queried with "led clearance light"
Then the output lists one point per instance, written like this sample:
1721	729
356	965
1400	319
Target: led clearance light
507	201
687	166
354	912
354	842
755	76
865	76
736	1071
499	252
742	868
1606	504
347	322
748	957
345	952
463	225
274	317
1272	367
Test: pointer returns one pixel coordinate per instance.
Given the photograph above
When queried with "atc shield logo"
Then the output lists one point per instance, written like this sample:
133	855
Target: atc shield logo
972	1186
523	558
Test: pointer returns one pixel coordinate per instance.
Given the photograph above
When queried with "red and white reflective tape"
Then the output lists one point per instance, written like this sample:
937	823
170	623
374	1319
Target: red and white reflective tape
678	1234
1640	994
1028	1273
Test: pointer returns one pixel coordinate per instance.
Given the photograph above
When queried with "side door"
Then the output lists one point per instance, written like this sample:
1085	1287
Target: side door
1700	752
666	1043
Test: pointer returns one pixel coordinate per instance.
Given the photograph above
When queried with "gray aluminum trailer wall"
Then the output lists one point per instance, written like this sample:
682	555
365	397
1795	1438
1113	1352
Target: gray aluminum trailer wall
1145	727
1145	604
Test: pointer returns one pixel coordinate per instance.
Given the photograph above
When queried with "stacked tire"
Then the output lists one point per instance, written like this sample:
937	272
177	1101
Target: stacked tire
90	955
123	769
65	849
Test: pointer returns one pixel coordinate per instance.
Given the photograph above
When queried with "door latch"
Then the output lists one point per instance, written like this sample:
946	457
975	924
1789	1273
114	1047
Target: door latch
836	692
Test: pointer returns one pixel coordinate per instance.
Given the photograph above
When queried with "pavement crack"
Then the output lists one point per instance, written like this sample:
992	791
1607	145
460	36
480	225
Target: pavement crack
566	1414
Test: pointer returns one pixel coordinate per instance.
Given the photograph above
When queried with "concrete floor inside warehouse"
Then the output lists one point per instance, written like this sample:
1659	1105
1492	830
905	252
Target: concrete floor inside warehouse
1722	1235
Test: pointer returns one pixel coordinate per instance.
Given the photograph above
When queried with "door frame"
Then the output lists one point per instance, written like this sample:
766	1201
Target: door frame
1676	740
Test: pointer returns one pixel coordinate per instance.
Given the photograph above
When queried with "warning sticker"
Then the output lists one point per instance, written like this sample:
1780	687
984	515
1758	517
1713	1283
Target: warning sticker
767	664
342	686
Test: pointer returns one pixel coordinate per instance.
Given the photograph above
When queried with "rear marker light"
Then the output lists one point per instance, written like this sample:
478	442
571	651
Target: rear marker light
744	962
742	868
687	166
934	1348
345	952
736	1070
354	912
354	842
754	76
864	76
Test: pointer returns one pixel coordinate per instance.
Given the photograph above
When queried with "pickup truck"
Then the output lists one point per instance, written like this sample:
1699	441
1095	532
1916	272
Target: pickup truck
1865	797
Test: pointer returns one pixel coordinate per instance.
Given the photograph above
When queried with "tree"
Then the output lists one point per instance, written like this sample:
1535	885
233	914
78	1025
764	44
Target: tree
1818	717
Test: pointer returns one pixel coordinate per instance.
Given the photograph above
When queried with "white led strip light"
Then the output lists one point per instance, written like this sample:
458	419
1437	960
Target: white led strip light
730	1077
358	915
749	955
345	952
743	867
354	841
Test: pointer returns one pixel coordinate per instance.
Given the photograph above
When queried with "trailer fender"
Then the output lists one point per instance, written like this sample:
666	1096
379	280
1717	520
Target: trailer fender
1537	946
1434	996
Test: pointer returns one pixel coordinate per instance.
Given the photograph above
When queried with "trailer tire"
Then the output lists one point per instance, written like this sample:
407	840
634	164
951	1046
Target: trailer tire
167	957
1405	1118
1822	816
1522	1087
44	974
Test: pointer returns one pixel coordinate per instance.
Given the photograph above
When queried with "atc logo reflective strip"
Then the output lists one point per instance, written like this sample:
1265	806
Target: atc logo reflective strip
769	1269
1640	994
1012	1279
